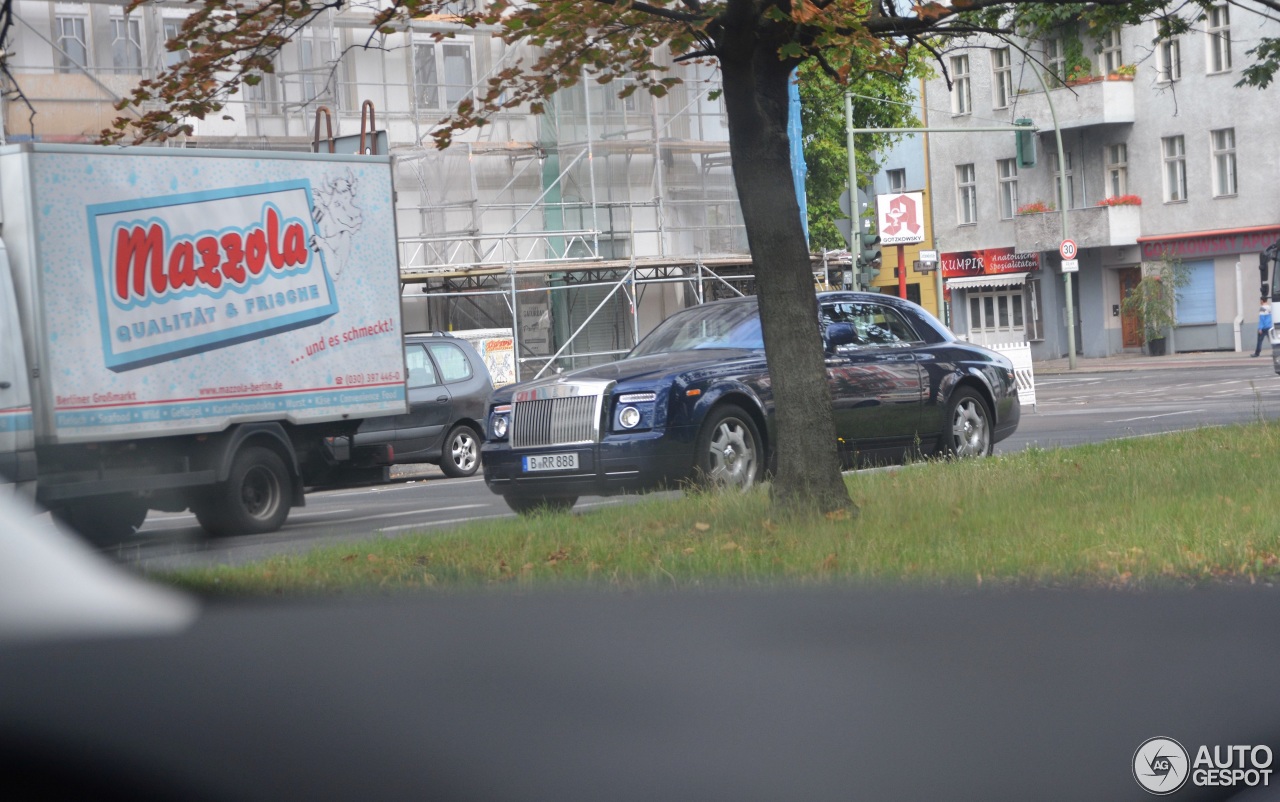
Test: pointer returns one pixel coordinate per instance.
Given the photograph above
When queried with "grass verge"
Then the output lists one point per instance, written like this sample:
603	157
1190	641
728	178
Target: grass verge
1181	509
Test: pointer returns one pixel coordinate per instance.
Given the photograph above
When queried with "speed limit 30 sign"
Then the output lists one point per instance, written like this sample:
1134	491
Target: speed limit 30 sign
1067	249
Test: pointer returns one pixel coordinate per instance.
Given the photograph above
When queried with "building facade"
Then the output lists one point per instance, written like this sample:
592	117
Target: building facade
1163	158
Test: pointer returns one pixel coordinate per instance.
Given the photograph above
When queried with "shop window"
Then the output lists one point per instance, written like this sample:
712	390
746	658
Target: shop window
1197	301
998	315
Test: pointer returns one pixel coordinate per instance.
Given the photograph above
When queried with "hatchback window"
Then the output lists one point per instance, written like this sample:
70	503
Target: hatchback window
454	365
421	372
873	324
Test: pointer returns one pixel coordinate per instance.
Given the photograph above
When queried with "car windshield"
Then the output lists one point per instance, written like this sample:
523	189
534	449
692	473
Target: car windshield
732	325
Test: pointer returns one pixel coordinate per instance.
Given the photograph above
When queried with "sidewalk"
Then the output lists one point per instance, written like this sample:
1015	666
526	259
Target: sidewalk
1193	360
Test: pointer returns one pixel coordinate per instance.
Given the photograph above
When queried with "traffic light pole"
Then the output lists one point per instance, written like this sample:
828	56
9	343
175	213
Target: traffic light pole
855	214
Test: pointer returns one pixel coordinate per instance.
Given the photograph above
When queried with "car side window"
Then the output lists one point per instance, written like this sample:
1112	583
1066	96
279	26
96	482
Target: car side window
454	365
421	372
873	324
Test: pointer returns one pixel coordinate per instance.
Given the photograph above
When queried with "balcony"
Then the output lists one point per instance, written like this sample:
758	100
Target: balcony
1096	101
1091	227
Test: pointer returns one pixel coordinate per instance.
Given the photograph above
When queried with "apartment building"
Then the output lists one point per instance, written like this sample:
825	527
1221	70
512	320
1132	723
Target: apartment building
1163	157
580	228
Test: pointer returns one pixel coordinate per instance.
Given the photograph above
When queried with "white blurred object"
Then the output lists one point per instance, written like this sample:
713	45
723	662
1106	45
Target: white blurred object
53	586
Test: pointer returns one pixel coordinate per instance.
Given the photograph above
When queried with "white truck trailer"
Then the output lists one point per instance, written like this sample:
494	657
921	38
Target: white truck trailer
184	329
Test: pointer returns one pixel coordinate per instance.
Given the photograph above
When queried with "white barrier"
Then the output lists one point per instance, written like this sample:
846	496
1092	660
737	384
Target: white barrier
1020	353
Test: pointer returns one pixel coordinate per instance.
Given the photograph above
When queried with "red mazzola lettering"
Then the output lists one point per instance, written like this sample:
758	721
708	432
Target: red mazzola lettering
148	263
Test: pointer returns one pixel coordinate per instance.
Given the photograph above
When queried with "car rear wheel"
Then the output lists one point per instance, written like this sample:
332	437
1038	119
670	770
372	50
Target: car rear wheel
528	505
461	455
968	432
729	452
104	520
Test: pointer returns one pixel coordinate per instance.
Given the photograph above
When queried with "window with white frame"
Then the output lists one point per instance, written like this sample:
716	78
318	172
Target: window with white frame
126	44
897	179
1175	168
171	26
317	68
263	96
1112	58
72	43
1007	171
1117	170
1059	175
1218	39
1001	77
1224	162
998	312
961	91
1055	58
442	73
1168	60
966	194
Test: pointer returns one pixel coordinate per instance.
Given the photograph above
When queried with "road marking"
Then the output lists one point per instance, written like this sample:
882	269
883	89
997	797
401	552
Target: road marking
413	512
445	523
409	484
1162	415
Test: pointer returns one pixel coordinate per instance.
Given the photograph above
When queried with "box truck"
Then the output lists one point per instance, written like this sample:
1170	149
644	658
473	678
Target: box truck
186	329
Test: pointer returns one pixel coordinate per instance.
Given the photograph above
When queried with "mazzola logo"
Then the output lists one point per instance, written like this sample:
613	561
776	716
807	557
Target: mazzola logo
1160	765
182	274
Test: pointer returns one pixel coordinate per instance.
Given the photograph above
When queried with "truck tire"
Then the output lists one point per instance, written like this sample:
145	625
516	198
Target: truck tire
461	455
967	430
729	451
255	498
528	505
104	520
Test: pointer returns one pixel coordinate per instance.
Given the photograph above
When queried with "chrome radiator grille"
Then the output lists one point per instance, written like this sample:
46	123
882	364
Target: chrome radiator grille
555	421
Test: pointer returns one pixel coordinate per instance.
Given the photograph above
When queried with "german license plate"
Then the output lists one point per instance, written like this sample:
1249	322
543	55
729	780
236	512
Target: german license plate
551	462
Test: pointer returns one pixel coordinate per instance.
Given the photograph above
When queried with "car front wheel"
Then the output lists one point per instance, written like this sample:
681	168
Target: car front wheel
968	432
461	452
729	451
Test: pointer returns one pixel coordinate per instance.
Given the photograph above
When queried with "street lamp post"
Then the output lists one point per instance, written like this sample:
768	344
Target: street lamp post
1062	205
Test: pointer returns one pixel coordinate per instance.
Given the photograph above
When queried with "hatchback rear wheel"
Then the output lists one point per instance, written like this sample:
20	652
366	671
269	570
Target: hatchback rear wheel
461	455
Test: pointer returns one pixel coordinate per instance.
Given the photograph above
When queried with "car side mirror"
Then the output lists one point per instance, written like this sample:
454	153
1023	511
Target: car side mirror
839	334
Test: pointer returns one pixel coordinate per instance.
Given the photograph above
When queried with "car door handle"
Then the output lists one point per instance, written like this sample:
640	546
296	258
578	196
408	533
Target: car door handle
5	385
901	357
443	399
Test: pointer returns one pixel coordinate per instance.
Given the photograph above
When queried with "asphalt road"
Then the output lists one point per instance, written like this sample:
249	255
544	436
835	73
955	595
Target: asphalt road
1072	409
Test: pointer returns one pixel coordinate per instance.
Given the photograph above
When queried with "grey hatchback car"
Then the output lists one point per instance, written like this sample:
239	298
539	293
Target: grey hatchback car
449	388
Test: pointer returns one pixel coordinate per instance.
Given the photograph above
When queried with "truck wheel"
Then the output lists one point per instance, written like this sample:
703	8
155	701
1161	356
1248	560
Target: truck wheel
527	505
729	453
105	520
967	430
461	455
253	500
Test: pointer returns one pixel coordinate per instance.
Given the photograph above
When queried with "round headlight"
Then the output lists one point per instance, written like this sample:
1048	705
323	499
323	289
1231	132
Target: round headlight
500	426
629	417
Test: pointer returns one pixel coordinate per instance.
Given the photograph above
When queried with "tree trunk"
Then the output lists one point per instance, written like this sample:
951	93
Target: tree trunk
755	92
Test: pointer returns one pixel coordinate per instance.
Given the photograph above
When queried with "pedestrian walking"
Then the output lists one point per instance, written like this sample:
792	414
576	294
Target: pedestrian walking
1264	324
